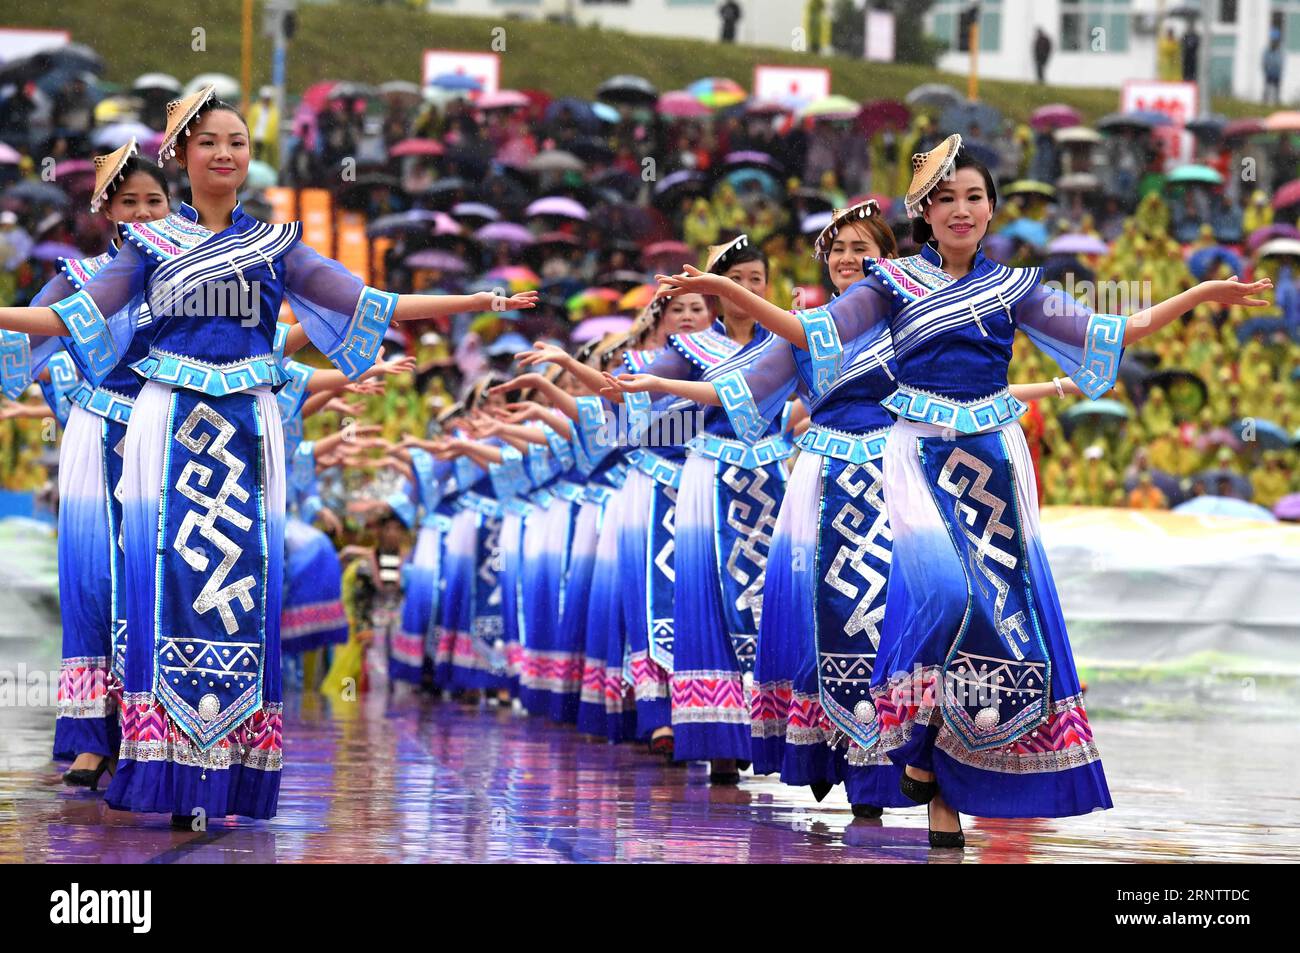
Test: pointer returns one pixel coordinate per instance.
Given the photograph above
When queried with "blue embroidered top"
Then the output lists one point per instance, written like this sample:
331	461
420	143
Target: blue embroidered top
215	298
952	337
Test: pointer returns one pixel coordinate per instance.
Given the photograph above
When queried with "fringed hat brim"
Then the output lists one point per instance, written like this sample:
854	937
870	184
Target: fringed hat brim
928	170
839	218
108	168
180	113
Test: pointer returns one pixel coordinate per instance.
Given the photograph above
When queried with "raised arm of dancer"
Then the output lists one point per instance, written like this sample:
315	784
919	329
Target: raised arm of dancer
518	435
424	307
543	353
1227	293
701	392
480	453
775	319
531	410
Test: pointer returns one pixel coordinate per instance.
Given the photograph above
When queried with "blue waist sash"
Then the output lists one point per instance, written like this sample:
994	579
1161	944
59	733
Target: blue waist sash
102	402
964	416
856	448
740	454
568	490
478	503
597	494
215	380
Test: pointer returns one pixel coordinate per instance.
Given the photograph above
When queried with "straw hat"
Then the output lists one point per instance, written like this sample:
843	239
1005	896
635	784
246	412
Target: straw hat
108	169
719	255
180	113
839	218
928	169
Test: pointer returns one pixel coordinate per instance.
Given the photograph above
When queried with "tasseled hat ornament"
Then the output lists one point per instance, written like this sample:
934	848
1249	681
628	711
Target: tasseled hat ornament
839	218
180	113
108	173
928	170
720	255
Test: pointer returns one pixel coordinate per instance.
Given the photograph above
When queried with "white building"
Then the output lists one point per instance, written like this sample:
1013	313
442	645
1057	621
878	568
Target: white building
1104	42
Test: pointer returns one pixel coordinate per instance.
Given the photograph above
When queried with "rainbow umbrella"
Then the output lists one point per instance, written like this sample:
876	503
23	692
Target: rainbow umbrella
637	298
515	278
679	104
591	303
832	107
717	92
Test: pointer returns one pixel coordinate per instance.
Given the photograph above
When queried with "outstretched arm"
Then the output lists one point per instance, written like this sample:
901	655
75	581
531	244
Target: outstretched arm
561	401
777	320
701	392
1228	293
1041	389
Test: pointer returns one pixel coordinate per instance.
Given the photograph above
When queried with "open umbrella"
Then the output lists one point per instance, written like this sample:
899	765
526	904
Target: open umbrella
1288	508
417	147
508	232
1105	411
457	82
717	92
752	159
1207	128
162	81
1279	247
558	238
434	258
831	107
400	87
1261	235
637	298
261	175
669	251
512	342
1264	326
743	180
1286	195
814	223
416	220
515	278
933	94
1241	487
1188	386
72	167
1264	434
37	193
634	90
555	160
557	205
1194	174
1225	506
1202	261
679	104
884	114
501	99
1243	128
1078	182
9	155
591	302
1141	121
227	87
968	118
669	190
118	134
1076	135
1286	121
593	329
765	107
1028	231
1054	116
1028	187
1077	244
477	210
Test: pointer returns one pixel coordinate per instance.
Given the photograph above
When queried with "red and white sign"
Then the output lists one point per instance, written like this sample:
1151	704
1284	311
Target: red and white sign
1178	101
792	86
484	67
15	42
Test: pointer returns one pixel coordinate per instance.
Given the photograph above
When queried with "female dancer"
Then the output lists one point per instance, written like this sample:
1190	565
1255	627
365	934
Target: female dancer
974	692
201	725
92	601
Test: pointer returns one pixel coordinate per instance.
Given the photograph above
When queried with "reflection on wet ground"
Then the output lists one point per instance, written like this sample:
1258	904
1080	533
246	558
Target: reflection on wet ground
415	779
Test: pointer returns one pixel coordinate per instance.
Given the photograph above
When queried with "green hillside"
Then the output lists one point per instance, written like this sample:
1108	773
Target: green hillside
370	44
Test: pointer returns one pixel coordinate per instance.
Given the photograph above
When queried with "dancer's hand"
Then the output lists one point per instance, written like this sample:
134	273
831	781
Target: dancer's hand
366	387
693	281
542	353
490	301
398	365
524	410
631	383
340	406
1234	292
521	382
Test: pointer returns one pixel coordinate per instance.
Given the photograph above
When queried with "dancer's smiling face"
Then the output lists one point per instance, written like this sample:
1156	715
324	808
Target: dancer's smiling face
959	212
686	313
844	260
139	199
216	152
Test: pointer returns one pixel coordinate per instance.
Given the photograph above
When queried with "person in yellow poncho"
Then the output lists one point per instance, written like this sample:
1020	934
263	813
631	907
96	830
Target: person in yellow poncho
700	229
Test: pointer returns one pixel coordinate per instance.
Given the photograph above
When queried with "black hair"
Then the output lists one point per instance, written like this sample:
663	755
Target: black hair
131	167
921	231
740	256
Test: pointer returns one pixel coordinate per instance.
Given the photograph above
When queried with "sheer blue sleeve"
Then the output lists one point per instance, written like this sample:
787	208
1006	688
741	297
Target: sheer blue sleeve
1086	345
755	393
862	307
592	429
102	316
24	356
344	317
293	394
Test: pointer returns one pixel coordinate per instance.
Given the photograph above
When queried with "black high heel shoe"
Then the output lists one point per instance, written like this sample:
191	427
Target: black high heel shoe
869	811
88	777
951	840
921	792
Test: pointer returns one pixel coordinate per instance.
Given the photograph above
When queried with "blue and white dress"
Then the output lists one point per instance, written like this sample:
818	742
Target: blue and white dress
974	678
92	598
730	492
824	595
204	491
413	647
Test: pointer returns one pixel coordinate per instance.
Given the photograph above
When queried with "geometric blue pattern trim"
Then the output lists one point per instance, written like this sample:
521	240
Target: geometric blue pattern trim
824	349
568	490
1103	347
15	364
88	334
64	381
967	417
281	339
744	455
665	472
215	380
103	403
479	504
738	401
359	347
849	447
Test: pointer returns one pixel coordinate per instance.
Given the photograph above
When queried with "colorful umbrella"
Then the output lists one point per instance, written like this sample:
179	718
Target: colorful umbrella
501	99
1028	231
457	82
557	205
1288	194
679	104
717	92
417	147
1243	128
515	278
475	210
70	167
1077	244
1286	121
436	259
814	223
508	232
831	107
637	298
752	159
555	160
669	190
1288	508
1201	174
1054	116
261	175
512	342
1280	247
9	155
592	329
1228	506
1029	187
1269	232
884	114
592	301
